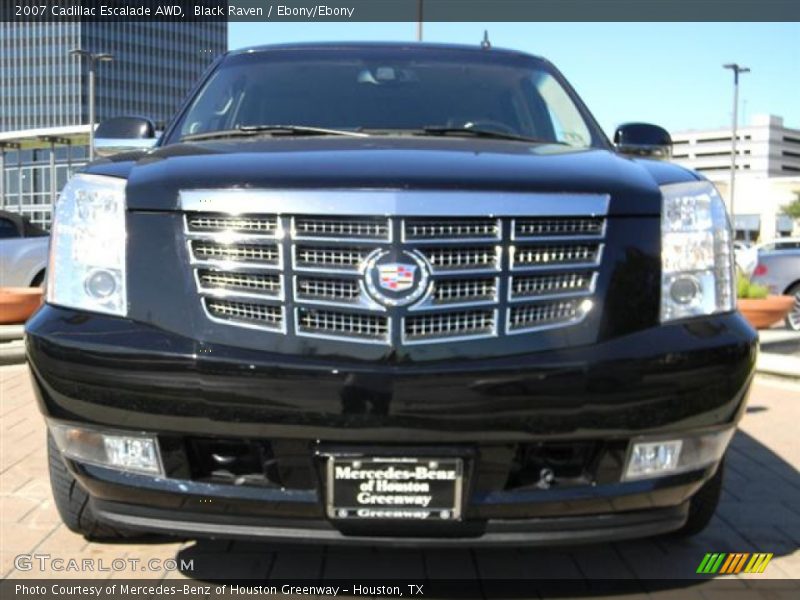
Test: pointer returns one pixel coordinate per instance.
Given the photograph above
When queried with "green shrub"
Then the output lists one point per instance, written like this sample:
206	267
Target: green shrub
747	289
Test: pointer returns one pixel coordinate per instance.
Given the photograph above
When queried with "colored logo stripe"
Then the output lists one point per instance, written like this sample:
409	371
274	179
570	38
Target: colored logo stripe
730	564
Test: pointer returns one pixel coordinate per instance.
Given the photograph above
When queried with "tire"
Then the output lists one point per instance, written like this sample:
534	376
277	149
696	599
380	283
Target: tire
72	501
703	505
38	281
793	318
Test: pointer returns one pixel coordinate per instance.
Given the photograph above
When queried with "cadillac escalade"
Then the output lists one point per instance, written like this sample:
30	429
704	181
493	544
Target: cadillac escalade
388	293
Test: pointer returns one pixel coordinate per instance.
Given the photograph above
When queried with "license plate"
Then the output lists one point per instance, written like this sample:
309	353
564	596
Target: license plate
394	488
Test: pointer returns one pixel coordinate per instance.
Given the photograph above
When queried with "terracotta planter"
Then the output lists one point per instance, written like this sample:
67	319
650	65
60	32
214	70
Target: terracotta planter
17	304
766	311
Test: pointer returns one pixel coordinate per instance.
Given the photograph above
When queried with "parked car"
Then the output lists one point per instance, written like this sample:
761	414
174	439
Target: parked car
389	293
778	268
23	251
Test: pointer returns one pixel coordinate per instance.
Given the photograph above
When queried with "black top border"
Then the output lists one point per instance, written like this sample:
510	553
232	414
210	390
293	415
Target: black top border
399	10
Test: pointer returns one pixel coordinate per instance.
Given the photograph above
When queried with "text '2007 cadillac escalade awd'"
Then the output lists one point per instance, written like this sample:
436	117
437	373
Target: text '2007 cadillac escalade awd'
388	293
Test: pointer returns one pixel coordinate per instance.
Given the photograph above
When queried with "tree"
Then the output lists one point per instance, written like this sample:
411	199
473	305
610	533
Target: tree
793	208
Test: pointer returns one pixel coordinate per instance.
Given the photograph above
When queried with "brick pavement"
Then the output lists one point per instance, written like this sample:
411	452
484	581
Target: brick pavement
760	511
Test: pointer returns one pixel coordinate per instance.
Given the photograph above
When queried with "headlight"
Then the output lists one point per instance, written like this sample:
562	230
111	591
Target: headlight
696	252
87	246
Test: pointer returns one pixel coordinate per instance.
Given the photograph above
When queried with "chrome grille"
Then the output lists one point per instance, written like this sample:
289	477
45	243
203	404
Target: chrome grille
456	291
262	315
327	289
561	227
263	283
537	316
267	254
264	225
451	229
329	257
555	255
449	325
336	227
478	258
486	276
572	283
323	323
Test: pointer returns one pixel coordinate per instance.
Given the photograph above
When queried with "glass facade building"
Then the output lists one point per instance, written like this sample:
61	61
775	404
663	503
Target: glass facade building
43	87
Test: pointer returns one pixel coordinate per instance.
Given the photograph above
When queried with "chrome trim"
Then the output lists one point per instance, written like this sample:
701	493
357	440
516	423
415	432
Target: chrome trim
344	338
282	329
558	238
574	321
342	239
394	202
456	240
362	301
233	294
532	299
564	266
231	236
228	265
495	332
427	302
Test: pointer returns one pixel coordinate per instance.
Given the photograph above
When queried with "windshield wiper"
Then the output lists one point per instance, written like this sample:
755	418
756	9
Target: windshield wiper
484	133
287	130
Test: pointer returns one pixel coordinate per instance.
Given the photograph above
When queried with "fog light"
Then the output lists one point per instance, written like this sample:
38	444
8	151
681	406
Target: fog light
652	458
101	284
117	450
666	457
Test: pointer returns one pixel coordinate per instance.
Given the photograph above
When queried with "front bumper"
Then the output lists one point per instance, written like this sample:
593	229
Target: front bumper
672	380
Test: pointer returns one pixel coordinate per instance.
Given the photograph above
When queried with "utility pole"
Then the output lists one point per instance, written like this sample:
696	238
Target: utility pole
93	60
419	20
737	69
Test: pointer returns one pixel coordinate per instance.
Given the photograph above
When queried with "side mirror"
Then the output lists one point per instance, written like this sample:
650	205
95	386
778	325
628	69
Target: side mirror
124	134
643	139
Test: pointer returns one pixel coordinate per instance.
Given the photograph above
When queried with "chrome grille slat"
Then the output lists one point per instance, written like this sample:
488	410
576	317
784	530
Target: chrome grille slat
556	284
447	326
336	324
215	223
555	255
329	257
341	228
444	229
268	284
262	315
565	227
462	258
458	291
209	250
529	317
327	289
482	275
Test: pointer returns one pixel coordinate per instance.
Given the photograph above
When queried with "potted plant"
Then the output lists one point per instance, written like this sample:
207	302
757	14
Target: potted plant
757	305
18	303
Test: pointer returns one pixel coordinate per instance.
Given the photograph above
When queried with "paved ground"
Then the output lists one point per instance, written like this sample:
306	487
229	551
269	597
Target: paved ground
760	511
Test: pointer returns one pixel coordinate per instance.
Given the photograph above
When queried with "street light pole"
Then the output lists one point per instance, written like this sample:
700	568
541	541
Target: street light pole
419	20
737	69
93	59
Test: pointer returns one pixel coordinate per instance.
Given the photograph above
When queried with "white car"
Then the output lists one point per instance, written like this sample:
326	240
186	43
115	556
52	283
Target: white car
23	251
746	257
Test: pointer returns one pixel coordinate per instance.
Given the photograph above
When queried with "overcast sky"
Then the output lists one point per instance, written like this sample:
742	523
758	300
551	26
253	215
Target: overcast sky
665	73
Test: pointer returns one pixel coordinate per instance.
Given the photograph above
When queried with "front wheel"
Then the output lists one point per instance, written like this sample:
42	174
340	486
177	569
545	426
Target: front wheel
793	318
703	505
72	501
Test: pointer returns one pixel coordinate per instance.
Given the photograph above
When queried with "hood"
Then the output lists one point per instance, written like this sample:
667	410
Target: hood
155	179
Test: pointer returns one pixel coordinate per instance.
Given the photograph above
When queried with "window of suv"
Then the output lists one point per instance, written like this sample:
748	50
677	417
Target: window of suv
388	92
8	229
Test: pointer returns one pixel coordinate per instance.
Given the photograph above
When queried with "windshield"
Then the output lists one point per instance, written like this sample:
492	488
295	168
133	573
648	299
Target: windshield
387	92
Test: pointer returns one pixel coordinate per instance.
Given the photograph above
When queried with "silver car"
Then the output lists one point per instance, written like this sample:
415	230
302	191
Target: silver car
23	251
778	268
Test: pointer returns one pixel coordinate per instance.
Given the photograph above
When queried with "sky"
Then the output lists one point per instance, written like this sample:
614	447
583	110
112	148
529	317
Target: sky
665	73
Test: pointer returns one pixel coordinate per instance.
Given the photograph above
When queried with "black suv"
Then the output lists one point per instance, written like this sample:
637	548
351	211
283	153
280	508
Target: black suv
397	293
